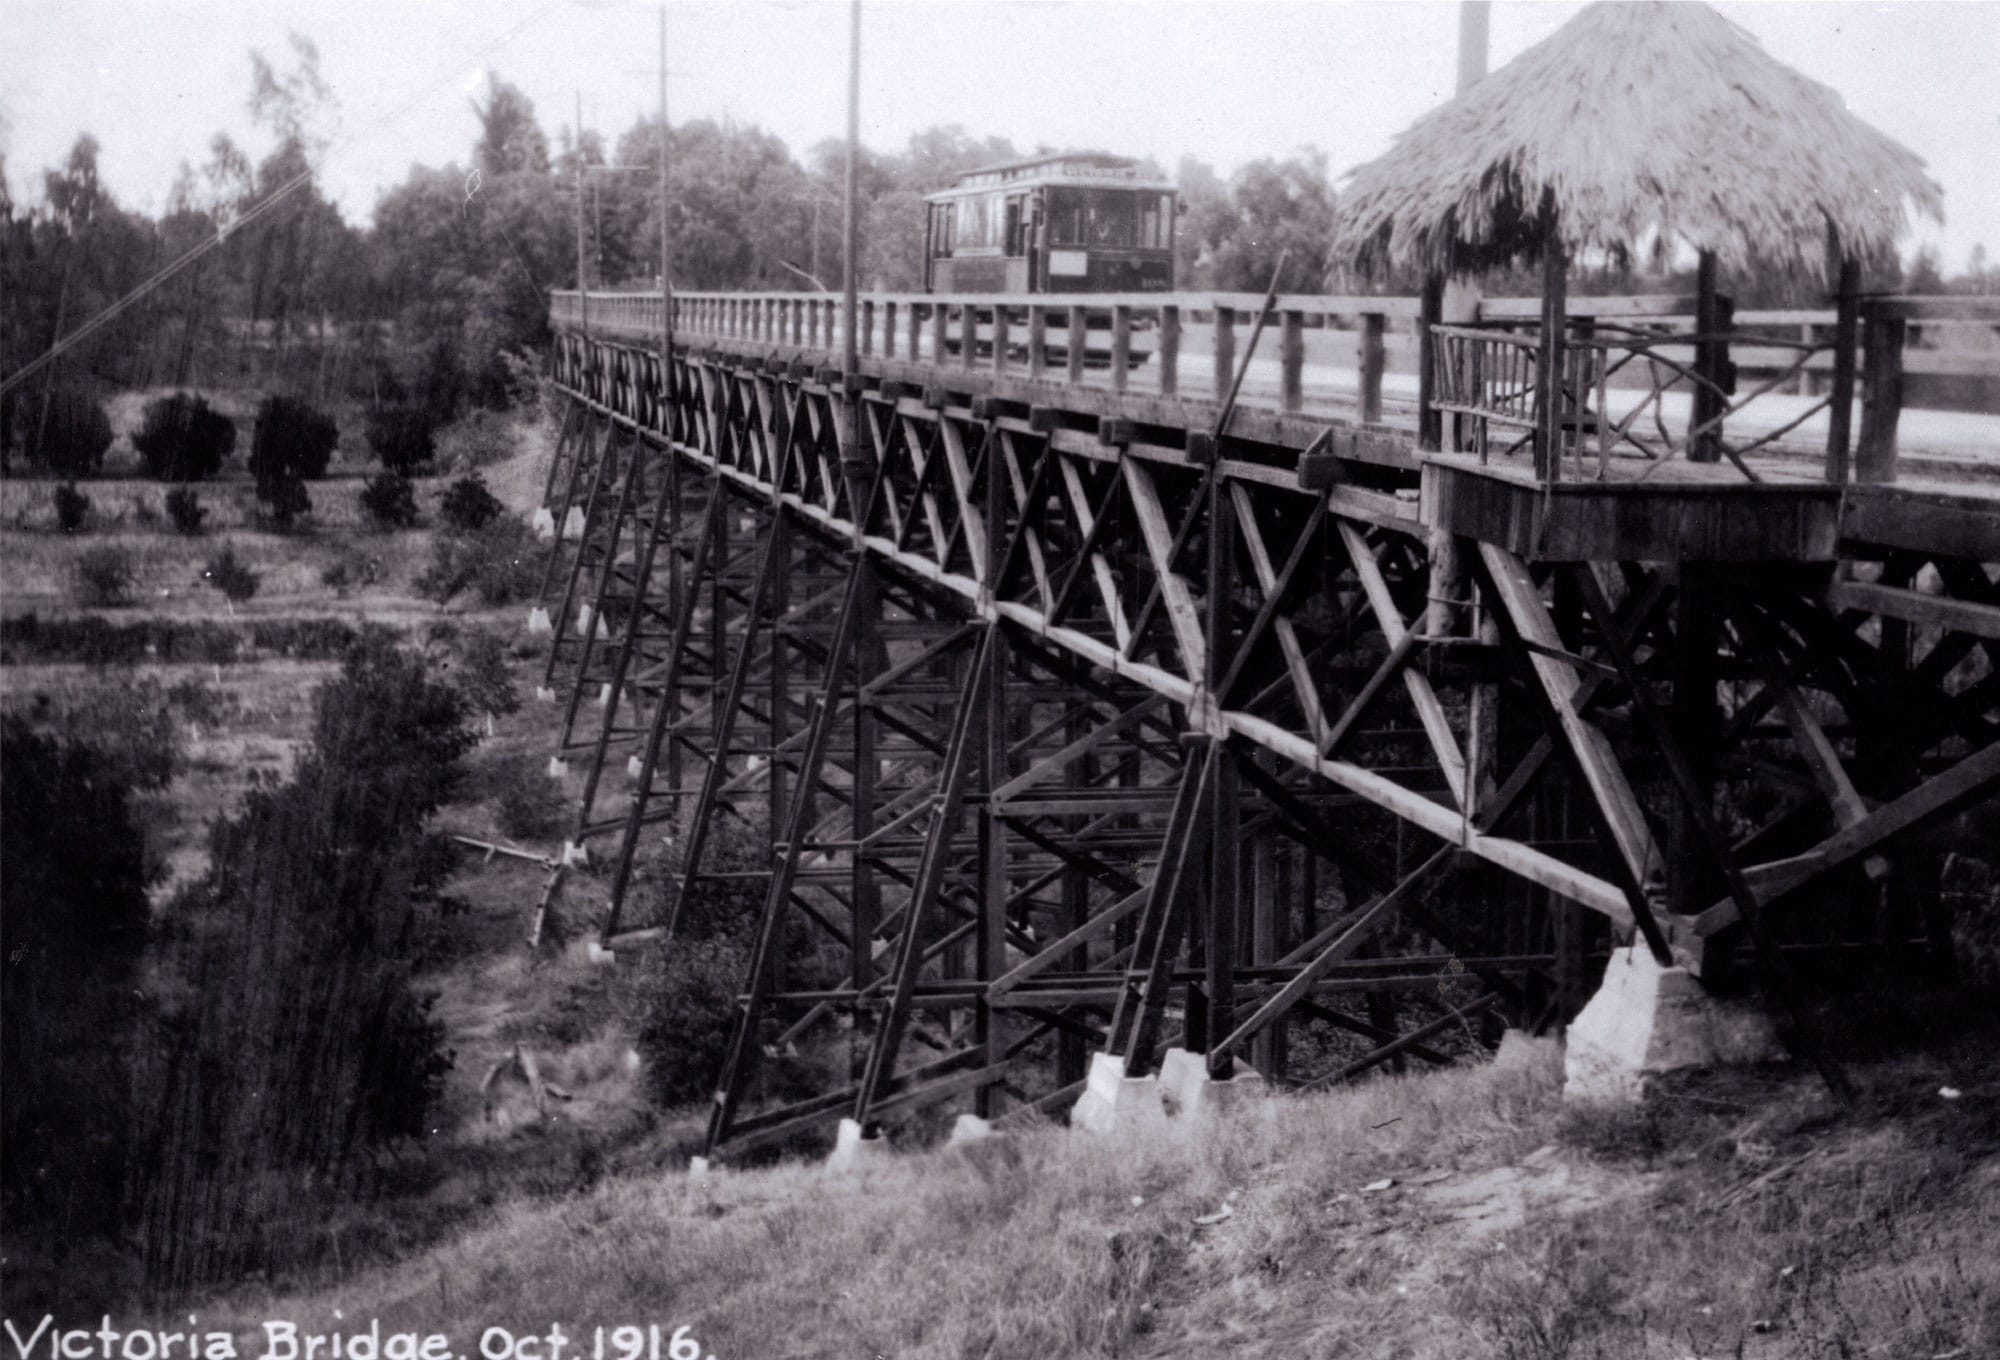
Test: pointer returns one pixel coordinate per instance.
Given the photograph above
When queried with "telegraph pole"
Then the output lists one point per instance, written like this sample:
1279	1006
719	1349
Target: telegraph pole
582	279
666	288
856	465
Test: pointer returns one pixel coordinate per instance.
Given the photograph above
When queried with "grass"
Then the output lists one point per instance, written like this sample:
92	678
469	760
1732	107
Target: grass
1742	1215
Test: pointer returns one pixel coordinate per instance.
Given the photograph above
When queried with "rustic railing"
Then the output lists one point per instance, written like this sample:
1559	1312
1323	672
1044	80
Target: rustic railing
1626	361
1165	344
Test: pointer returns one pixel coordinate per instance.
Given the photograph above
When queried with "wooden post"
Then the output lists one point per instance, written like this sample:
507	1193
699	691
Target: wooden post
1292	359
1225	351
938	332
1121	347
1881	396
1370	357
1707	403
1840	415
868	326
999	338
889	329
968	335
1077	337
1430	307
1548	376
1170	350
1038	340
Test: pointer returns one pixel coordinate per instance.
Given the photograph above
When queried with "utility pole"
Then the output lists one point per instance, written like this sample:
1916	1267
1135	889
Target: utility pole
666	288
582	279
1473	16
858	468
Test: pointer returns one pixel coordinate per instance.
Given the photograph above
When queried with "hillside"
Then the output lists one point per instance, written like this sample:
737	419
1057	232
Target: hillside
1460	1214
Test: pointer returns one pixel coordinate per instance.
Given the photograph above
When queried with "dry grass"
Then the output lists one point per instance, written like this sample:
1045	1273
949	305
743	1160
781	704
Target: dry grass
1755	1220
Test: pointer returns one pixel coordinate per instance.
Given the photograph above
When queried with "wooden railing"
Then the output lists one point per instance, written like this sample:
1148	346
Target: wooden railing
1653	387
1136	342
1629	364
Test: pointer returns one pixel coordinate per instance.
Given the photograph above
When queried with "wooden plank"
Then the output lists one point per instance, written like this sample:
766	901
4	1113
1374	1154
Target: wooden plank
1940	796
1626	821
1430	712
1913	606
1182	616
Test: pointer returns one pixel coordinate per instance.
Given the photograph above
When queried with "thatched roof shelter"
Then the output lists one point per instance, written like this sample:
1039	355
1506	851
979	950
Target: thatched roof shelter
1635	124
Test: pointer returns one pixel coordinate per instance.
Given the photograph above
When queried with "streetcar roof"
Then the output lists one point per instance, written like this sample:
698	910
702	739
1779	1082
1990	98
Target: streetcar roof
1083	169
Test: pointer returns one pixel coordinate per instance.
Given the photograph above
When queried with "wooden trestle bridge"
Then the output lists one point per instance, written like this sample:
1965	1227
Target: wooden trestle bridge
1093	712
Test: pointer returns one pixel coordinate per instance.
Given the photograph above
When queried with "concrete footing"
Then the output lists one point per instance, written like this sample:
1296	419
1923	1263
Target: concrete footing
968	1128
558	768
634	767
604	694
1646	1020
591	952
1189	1092
852	1152
538	621
575	855
543	522
1114	1103
544	695
573	523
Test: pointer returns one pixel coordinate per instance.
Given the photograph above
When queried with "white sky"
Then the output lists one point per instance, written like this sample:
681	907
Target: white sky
1226	82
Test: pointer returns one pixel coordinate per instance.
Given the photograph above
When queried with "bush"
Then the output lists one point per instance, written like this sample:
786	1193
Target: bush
185	510
532	807
285	500
486	674
65	432
475	440
229	574
390	500
292	441
467	506
104	577
183	439
401	437
499	565
72	508
690	1015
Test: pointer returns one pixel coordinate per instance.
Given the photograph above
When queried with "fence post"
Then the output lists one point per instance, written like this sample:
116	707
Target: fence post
1074	358
1170	350
1430	311
1292	360
939	323
1881	396
1121	347
1225	350
968	335
868	326
1840	414
999	338
1038	339
1371	353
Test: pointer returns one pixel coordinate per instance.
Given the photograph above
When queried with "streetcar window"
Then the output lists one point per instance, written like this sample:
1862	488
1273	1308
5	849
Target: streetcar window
1095	217
1013	244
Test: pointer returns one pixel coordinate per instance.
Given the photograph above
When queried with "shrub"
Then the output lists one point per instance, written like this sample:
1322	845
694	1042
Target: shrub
690	1015
104	577
143	511
499	565
532	807
291	438
185	510
285	500
401	437
229	574
486	675
72	508
183	439
467	506
390	500
65	432
475	440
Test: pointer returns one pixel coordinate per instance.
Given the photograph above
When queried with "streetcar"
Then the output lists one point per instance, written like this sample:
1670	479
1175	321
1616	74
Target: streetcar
1073	222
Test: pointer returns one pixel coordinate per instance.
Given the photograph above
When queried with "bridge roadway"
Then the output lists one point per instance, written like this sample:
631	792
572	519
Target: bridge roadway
1084	727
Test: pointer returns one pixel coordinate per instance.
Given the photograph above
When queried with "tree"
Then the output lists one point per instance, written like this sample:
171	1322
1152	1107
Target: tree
510	141
73	912
389	500
183	439
467	506
291	439
1280	207
64	431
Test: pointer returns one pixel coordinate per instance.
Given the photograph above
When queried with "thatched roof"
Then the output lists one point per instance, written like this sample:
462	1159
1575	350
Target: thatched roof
1635	123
